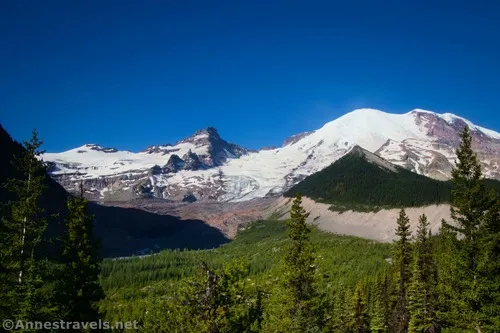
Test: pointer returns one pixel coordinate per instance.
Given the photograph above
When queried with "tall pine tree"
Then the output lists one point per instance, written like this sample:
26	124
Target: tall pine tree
342	310
299	310
402	261
474	267
360	322
422	289
23	226
380	304
81	290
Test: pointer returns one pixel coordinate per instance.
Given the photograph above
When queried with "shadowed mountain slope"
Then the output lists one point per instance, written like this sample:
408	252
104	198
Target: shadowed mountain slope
121	231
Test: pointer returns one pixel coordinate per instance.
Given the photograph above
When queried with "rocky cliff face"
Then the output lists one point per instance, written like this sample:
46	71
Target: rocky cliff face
434	156
174	164
111	177
217	152
205	167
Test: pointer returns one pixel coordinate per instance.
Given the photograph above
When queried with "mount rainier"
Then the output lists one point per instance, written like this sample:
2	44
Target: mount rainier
205	167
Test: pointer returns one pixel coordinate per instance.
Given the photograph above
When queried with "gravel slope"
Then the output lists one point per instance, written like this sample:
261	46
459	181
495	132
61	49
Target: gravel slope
378	226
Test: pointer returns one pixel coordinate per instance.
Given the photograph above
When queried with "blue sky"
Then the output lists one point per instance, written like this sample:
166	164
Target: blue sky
129	74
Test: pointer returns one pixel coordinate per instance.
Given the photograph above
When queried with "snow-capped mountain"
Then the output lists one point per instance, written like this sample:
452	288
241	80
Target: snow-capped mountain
206	167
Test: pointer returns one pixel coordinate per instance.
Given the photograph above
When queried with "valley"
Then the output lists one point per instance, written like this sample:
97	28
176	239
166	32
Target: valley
257	245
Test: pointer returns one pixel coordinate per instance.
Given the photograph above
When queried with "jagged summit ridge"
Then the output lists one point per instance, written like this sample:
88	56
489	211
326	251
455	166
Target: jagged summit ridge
207	167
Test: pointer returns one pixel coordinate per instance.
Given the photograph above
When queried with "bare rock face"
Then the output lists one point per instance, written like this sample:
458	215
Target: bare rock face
295	138
102	149
218	149
174	164
192	161
435	156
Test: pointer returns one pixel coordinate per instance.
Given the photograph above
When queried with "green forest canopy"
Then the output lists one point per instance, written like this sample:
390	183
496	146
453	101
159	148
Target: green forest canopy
353	182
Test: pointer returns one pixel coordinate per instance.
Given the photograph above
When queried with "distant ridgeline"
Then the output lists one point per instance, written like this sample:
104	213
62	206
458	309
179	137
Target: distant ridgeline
362	181
121	231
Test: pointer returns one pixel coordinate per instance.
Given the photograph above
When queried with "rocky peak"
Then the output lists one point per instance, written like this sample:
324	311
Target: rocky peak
202	137
210	131
218	149
174	164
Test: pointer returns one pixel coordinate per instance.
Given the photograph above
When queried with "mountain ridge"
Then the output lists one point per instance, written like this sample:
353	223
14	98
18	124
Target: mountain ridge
209	168
121	231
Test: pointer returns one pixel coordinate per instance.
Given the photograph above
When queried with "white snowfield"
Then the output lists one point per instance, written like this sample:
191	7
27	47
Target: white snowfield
266	171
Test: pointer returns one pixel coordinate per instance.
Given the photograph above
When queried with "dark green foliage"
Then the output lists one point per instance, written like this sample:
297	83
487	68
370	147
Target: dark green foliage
473	265
380	304
420	316
353	182
422	296
32	272
213	301
402	261
133	286
80	289
298	309
360	321
300	267
23	225
342	312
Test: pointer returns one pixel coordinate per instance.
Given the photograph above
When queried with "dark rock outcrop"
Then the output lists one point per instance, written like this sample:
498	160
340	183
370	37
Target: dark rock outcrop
174	164
192	161
100	148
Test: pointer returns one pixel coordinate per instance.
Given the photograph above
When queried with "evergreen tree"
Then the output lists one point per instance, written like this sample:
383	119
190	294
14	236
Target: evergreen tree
402	256
421	292
380	306
342	310
359	314
81	289
298	297
214	301
475	264
420	317
23	225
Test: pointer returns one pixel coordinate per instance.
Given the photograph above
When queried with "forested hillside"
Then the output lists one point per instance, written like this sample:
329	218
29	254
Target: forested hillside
134	285
362	181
